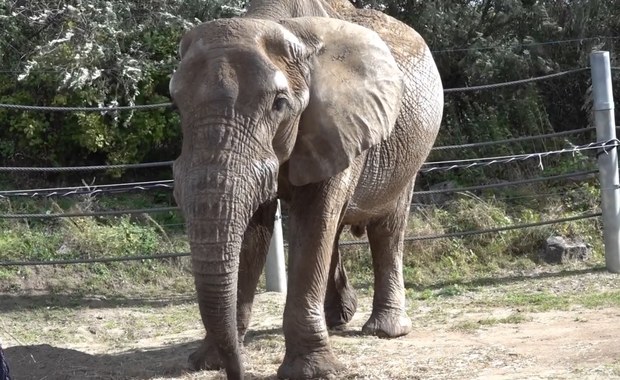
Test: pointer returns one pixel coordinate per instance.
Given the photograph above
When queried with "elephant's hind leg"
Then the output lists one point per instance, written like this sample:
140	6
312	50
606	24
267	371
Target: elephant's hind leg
386	235
252	260
340	298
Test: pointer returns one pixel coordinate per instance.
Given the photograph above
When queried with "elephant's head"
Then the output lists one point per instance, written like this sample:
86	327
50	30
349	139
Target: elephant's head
253	95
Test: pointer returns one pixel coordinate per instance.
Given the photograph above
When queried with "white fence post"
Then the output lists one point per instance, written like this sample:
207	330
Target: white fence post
275	272
607	161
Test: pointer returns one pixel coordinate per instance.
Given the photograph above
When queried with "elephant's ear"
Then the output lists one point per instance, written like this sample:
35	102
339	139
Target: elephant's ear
355	96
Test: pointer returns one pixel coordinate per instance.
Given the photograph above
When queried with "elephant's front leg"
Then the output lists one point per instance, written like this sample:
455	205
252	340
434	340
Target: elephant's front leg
252	260
314	217
386	236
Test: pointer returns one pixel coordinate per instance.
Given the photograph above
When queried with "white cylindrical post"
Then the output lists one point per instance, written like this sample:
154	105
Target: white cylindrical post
608	160
275	272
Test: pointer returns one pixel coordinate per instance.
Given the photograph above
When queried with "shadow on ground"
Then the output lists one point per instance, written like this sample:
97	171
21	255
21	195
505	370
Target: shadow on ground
257	335
47	362
16	302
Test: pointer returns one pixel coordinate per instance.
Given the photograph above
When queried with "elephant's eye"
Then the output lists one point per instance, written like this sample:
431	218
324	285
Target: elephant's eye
280	103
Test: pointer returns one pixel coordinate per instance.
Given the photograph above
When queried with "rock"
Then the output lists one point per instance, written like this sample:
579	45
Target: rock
559	250
63	250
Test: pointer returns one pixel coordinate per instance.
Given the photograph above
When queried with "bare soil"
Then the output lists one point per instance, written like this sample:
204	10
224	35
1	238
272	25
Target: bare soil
473	333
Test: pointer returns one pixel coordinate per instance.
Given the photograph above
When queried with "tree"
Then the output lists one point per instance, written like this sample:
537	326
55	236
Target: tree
93	53
96	52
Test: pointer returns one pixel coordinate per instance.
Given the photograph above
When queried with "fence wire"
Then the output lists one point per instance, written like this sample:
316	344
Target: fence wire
141	107
93	260
88	190
513	140
505	184
514	82
146	107
169	184
341	244
532	44
169	163
88	214
85	168
485	231
488	161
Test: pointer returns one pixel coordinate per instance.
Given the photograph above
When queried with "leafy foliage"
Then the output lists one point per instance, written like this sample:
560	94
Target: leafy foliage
106	53
92	53
484	42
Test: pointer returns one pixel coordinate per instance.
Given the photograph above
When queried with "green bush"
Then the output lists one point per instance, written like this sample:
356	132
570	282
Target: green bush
92	53
97	52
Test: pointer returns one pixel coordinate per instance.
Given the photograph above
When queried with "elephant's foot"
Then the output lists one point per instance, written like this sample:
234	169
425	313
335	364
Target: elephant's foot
340	308
387	324
319	364
205	357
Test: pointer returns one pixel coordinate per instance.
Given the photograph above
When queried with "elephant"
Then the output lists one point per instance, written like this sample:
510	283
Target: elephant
332	110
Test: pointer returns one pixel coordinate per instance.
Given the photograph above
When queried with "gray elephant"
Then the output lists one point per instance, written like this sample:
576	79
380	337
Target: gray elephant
329	108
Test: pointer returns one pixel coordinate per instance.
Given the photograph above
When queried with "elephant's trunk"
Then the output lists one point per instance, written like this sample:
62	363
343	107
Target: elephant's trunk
216	286
218	199
216	222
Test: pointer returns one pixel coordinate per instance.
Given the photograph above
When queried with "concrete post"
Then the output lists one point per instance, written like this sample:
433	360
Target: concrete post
275	271
608	160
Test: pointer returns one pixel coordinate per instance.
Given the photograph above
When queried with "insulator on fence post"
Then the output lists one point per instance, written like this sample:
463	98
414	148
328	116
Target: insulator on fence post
603	109
275	271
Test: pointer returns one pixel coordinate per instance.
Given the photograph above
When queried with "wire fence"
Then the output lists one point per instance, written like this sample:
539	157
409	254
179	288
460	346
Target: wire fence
446	147
88	190
599	147
350	243
487	161
486	231
506	184
89	213
148	107
596	39
86	168
143	107
513	140
514	82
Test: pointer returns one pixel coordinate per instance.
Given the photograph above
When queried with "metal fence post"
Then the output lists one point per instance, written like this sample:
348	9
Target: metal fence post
608	160
275	272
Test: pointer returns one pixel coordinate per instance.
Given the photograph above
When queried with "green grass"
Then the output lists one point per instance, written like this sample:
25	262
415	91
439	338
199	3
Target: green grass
92	237
542	301
521	298
432	268
451	260
470	326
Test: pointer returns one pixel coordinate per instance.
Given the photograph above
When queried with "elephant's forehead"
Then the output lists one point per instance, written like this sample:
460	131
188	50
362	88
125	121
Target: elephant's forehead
221	61
233	31
226	71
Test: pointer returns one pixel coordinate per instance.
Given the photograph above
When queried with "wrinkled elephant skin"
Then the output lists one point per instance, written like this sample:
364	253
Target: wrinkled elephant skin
329	108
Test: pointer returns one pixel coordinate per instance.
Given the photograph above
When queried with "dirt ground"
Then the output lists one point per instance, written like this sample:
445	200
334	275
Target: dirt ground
570	332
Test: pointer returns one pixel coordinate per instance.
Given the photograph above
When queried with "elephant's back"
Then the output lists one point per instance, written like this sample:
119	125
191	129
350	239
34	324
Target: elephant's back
404	42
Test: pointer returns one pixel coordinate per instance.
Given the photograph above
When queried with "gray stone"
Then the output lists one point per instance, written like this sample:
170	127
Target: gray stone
559	250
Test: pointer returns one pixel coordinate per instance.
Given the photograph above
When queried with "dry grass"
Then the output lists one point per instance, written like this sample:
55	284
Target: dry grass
482	329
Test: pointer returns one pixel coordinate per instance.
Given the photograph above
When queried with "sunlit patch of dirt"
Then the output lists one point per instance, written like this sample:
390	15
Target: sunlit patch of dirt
460	337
